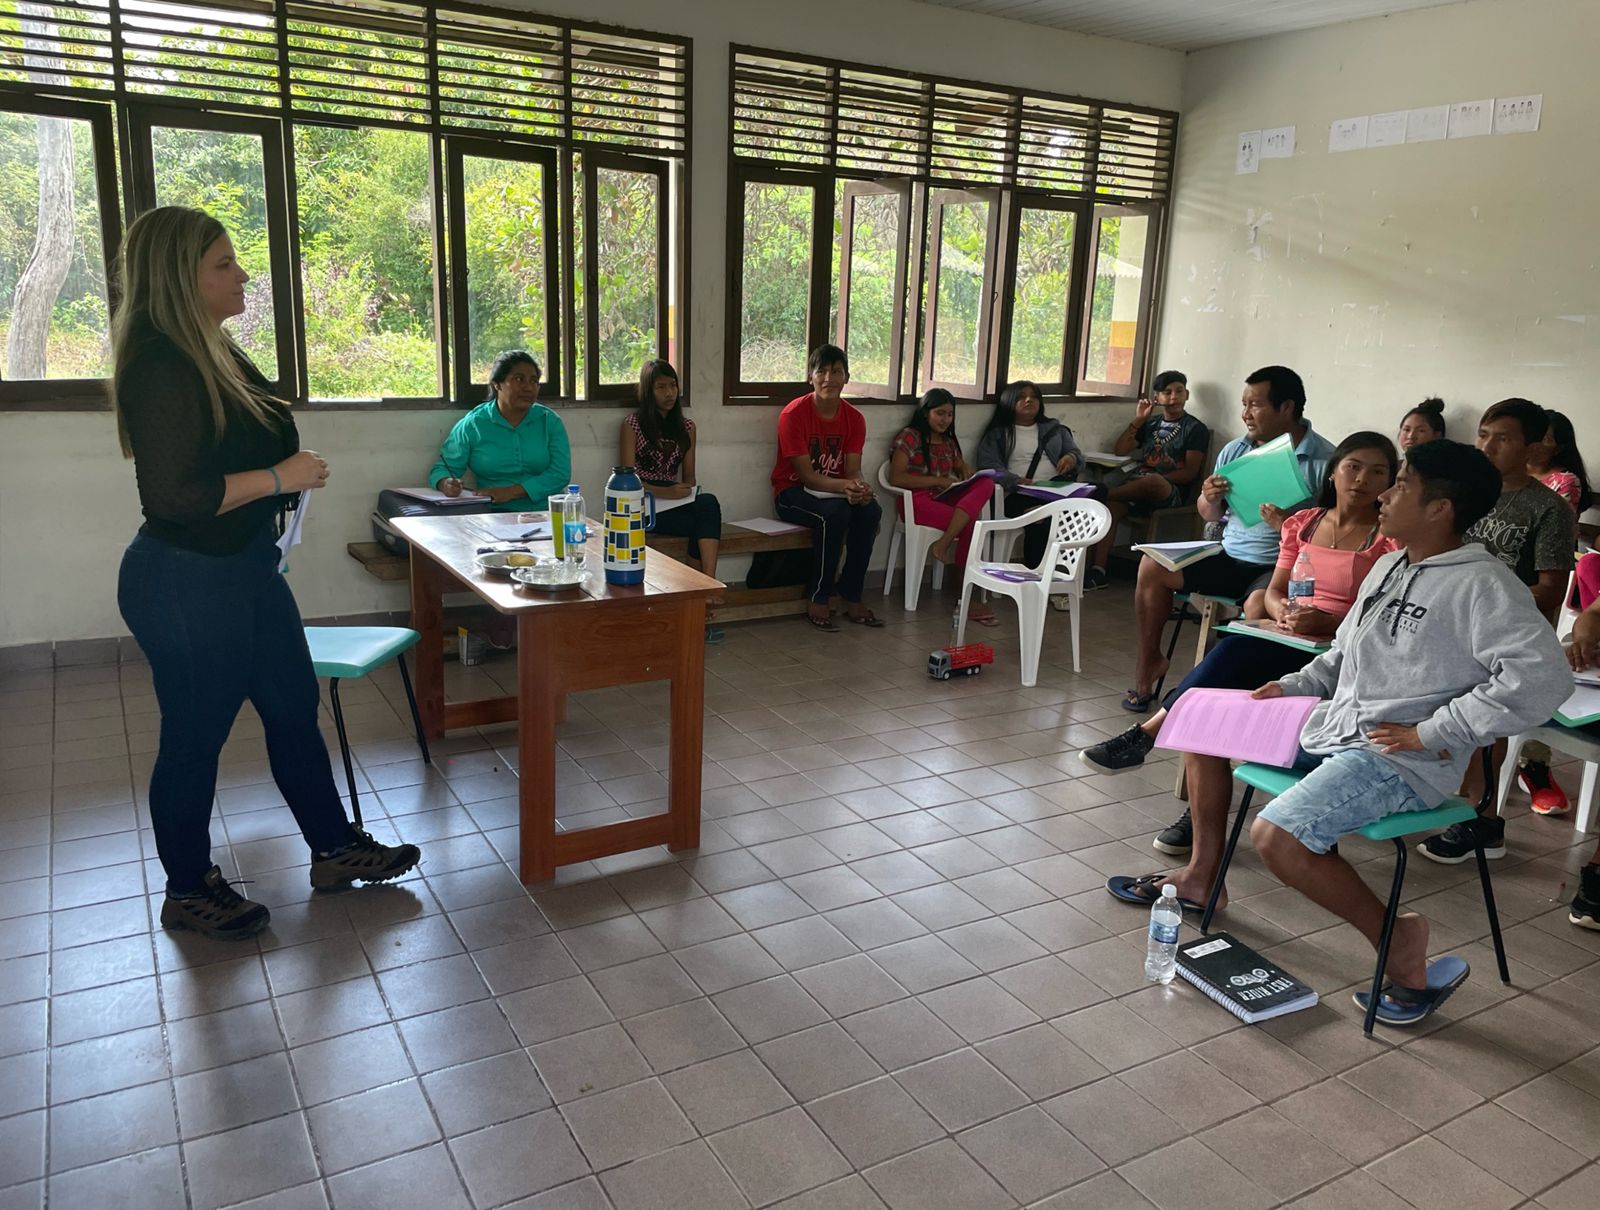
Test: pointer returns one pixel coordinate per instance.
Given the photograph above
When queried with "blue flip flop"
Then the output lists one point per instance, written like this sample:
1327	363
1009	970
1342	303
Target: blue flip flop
1403	1006
1145	890
1137	703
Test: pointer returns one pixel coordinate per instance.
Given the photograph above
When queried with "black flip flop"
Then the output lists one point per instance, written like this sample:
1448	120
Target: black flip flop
1145	890
826	625
1136	702
1405	1006
866	619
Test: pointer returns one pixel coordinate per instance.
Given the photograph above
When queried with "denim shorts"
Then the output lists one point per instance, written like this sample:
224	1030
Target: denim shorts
1341	793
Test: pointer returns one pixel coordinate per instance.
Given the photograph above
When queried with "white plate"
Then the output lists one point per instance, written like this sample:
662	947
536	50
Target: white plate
550	576
496	562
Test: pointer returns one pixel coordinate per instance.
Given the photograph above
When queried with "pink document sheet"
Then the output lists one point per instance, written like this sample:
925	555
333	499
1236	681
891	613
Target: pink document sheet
1228	722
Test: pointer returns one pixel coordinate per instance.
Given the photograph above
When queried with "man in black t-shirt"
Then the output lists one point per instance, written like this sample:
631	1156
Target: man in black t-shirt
1172	447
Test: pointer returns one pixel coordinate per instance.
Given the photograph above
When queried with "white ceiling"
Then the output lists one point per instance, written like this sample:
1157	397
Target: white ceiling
1187	24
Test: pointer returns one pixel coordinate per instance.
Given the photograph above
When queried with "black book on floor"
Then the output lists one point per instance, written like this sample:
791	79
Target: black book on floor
1241	980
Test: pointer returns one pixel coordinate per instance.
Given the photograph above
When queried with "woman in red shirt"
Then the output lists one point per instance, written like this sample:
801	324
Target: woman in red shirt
926	460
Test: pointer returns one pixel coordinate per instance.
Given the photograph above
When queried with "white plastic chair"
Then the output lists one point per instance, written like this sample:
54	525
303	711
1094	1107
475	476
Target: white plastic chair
918	540
1004	541
1075	526
1561	739
1567	616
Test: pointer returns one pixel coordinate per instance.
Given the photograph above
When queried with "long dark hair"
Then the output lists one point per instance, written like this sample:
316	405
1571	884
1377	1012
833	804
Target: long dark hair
1327	496
655	426
935	397
1566	456
1003	420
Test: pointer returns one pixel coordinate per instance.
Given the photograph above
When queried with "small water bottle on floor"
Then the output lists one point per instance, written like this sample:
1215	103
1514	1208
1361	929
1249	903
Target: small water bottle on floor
1161	953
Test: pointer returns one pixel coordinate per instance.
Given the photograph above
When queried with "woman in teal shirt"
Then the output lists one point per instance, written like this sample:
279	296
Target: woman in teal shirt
515	447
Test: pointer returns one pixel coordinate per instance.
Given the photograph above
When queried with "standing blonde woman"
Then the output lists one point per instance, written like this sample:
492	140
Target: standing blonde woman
218	460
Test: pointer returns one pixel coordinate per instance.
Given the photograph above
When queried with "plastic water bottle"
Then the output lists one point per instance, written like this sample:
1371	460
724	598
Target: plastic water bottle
574	527
1302	581
558	529
1161	953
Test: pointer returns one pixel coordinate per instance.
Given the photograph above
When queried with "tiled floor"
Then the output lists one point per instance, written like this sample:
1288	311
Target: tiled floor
889	977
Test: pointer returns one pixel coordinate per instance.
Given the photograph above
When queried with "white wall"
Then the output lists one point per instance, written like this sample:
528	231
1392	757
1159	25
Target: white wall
1463	268
67	502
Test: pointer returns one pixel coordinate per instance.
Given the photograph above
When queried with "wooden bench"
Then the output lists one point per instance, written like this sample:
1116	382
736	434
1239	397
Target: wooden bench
740	604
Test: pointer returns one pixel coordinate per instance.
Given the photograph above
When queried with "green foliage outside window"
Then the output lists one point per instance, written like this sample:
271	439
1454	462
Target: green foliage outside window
76	342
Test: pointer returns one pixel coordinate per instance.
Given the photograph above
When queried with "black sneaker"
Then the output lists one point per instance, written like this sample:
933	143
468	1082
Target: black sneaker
1176	839
215	910
1455	844
1119	753
364	860
1095	577
1585	911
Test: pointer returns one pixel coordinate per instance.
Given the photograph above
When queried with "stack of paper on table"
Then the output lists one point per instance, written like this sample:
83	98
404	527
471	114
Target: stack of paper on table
1268	474
428	496
508	527
1175	556
1232	724
1266	628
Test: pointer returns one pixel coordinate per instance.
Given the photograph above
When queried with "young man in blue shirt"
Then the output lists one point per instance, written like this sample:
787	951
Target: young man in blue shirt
1273	403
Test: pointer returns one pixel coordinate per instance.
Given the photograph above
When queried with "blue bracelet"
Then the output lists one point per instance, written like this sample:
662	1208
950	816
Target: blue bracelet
277	483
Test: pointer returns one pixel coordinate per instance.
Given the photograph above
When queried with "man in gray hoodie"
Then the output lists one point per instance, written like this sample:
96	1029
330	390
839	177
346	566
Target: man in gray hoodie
1446	655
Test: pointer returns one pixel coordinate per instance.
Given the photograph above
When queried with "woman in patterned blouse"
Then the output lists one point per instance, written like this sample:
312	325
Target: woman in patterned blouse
926	460
658	440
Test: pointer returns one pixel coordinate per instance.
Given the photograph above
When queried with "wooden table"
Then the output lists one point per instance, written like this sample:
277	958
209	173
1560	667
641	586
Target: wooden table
590	637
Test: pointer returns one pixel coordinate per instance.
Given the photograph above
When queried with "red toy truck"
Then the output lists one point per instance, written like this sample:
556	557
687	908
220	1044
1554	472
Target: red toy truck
965	660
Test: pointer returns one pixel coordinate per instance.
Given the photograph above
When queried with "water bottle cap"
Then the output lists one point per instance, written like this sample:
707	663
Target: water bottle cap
572	487
1169	891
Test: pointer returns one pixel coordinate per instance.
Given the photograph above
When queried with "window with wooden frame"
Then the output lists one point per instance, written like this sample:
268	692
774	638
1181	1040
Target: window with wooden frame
625	271
230	165
961	273
59	234
1041	275
874	238
778	280
506	283
404	182
989	201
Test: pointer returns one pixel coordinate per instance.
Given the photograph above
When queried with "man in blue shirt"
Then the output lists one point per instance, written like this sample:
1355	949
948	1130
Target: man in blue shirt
1274	403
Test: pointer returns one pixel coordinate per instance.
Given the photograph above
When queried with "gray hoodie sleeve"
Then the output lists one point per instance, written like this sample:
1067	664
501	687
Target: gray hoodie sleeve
988	456
1060	445
1317	678
1528	680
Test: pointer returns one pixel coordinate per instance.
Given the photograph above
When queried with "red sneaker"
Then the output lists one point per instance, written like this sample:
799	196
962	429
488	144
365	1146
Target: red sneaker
1548	798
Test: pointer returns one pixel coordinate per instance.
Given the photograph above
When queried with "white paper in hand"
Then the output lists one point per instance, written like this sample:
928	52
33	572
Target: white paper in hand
291	531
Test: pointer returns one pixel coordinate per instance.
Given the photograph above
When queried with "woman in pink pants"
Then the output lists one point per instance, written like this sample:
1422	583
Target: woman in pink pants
926	460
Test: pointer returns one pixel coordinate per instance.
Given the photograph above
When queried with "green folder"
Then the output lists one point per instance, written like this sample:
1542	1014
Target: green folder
1268	474
1269	632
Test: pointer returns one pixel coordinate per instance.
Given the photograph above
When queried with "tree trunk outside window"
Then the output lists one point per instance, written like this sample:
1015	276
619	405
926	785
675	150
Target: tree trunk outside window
41	280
